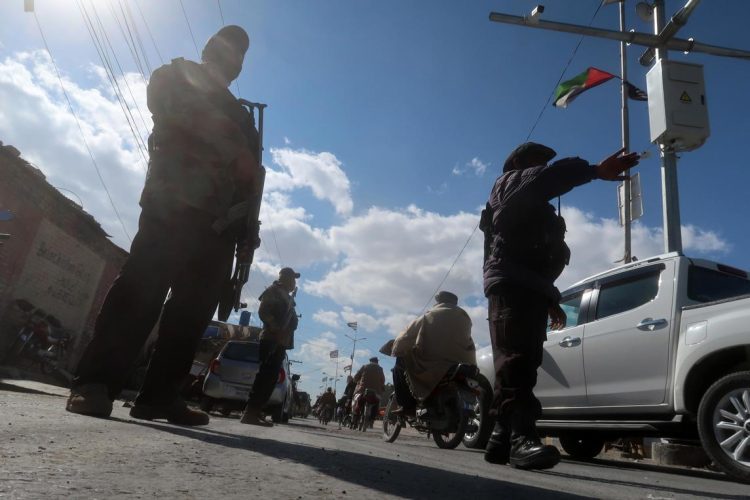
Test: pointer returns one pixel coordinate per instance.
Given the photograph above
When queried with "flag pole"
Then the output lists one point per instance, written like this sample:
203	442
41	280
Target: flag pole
625	116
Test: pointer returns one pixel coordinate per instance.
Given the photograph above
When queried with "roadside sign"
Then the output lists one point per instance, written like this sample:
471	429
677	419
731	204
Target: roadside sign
636	200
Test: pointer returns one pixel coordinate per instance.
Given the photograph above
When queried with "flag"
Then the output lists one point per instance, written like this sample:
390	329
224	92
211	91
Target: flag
348	368
352	324
569	89
635	93
334	354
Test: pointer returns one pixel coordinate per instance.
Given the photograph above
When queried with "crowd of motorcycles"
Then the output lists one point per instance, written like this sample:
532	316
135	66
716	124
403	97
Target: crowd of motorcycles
41	342
452	414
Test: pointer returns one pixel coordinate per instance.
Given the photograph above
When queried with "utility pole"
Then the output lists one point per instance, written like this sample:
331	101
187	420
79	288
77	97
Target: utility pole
659	44
626	195
353	325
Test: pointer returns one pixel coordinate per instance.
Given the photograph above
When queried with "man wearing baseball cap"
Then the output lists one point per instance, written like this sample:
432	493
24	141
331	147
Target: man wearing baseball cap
280	319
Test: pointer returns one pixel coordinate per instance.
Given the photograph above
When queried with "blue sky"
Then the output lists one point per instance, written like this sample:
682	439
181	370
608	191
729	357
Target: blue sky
387	124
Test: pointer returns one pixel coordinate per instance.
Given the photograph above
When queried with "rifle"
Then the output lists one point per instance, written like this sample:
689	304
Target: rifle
231	298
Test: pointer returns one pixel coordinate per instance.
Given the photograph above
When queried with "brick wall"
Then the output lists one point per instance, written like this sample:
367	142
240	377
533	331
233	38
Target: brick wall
57	257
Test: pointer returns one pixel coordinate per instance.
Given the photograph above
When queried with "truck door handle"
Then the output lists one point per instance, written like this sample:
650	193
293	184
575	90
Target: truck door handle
570	342
650	325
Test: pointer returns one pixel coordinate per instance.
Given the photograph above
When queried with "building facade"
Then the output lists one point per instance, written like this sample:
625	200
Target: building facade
54	255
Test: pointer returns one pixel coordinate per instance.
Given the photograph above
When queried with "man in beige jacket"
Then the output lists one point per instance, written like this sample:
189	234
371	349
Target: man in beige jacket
433	343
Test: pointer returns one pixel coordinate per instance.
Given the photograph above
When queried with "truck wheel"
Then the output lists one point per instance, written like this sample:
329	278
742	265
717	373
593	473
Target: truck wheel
579	446
724	424
483	420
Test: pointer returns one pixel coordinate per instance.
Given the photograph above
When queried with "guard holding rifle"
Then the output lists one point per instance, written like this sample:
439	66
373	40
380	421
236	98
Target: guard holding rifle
277	311
204	173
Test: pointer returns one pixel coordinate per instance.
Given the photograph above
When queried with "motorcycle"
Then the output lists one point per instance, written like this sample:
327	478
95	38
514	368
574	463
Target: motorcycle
365	404
325	414
446	414
41	340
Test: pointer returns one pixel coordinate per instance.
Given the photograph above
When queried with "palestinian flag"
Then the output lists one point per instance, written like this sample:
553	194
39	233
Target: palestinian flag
569	89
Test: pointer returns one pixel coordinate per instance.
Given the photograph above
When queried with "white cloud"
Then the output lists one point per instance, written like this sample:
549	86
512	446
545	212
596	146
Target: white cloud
321	172
328	318
475	165
40	125
441	189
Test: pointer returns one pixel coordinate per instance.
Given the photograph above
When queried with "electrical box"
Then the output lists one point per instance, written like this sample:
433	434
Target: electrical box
677	111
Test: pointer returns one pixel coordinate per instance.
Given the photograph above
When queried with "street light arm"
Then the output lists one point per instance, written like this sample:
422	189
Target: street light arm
633	37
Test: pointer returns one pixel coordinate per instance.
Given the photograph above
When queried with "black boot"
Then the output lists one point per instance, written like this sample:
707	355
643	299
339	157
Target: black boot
529	453
498	447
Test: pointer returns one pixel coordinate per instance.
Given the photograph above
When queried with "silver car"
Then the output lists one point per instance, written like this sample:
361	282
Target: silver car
231	375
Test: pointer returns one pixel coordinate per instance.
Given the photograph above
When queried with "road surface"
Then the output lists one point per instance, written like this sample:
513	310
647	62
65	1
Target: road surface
46	452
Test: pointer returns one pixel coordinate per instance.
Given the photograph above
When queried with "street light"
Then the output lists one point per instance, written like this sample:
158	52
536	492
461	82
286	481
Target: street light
353	325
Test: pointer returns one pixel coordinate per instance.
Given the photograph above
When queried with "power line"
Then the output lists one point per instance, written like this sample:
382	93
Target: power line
567	65
127	14
533	127
102	52
221	12
190	29
148	30
451	268
83	136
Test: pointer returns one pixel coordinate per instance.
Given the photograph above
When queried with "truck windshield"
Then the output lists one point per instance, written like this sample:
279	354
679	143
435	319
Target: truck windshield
241	351
707	285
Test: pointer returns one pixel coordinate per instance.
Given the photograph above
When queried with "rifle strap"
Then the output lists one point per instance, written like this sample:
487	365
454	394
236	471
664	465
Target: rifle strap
235	213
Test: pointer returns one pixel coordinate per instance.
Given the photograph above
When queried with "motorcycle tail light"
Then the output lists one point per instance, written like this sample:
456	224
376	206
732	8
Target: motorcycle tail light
282	376
214	366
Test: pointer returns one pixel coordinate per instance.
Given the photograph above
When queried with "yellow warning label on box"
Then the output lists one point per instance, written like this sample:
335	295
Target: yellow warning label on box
685	97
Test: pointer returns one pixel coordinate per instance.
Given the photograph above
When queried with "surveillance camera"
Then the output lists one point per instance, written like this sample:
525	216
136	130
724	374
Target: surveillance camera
535	13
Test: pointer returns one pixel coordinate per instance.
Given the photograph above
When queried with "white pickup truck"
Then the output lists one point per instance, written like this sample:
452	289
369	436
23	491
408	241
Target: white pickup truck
659	347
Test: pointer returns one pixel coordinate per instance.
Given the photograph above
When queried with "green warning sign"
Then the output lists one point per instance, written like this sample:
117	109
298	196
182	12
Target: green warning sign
685	97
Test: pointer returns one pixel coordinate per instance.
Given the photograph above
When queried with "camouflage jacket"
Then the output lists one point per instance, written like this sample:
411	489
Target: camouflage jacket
203	145
279	317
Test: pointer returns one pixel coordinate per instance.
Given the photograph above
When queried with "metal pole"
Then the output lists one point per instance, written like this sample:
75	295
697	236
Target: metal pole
670	193
636	38
625	136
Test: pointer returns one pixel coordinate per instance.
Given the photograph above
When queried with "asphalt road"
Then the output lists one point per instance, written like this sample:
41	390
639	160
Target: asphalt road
46	452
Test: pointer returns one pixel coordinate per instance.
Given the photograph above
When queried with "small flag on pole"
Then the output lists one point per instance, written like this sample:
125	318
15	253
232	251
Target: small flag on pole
635	93
568	90
348	368
352	324
334	354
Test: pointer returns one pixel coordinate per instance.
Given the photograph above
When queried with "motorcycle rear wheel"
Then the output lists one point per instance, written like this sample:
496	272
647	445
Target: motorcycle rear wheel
391	422
449	440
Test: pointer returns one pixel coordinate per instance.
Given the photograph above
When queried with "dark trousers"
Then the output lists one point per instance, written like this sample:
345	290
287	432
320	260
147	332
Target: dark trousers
175	250
404	397
518	328
271	359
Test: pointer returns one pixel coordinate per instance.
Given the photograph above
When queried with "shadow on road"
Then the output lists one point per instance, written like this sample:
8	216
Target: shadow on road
388	476
645	484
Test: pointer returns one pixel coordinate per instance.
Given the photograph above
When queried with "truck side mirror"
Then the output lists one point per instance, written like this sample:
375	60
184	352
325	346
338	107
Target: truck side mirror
295	377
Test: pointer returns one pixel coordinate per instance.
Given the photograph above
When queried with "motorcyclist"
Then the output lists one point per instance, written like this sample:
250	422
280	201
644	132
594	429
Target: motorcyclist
429	347
327	402
370	376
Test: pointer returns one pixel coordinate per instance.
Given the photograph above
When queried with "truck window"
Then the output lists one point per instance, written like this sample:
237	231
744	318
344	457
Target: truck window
572	307
622	295
707	285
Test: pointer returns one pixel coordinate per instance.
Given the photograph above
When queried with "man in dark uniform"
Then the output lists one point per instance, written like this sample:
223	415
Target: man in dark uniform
202	162
280	320
525	252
